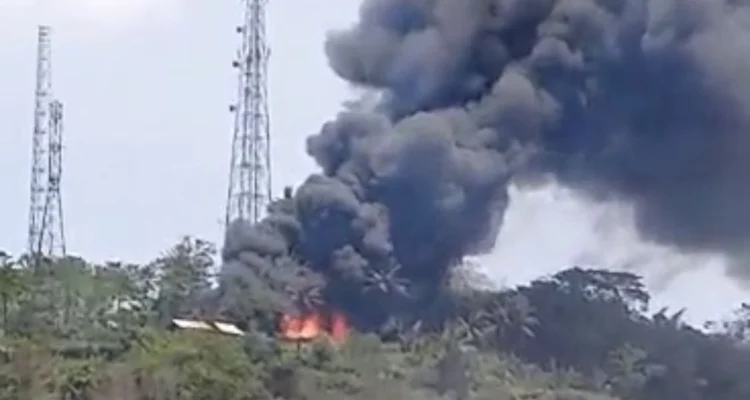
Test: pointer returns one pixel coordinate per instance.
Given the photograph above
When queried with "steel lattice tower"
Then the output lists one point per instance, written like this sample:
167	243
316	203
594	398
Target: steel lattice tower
250	169
45	232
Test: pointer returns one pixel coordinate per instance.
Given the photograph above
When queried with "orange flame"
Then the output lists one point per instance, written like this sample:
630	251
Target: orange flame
339	328
312	326
306	327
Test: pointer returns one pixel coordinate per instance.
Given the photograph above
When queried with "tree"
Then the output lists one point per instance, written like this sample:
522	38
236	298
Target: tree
621	288
12	284
626	367
579	308
386	281
388	289
513	318
306	297
737	327
184	274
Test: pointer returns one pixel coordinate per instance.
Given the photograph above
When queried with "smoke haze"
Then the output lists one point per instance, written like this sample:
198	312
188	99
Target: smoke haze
643	102
572	230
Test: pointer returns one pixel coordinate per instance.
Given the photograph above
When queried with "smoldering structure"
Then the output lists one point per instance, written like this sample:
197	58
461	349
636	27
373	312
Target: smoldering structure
644	101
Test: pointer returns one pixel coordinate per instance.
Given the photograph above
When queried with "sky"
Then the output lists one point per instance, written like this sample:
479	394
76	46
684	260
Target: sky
147	85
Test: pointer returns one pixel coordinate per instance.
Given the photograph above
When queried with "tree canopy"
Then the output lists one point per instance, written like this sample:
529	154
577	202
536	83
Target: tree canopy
72	329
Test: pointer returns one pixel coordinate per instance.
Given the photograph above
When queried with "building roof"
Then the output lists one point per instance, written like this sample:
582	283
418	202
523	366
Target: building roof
190	324
219	327
229	329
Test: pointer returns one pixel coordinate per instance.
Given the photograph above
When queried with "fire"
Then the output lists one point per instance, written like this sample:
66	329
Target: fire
306	327
312	326
339	328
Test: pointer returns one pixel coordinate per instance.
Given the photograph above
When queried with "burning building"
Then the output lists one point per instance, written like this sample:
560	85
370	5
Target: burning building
315	325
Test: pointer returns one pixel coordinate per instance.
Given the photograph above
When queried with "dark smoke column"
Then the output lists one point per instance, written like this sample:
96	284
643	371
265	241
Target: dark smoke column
645	101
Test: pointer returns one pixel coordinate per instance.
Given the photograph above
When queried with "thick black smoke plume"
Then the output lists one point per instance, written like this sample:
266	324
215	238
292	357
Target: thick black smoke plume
642	100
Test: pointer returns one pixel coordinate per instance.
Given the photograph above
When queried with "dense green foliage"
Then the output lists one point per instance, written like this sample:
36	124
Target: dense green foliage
72	330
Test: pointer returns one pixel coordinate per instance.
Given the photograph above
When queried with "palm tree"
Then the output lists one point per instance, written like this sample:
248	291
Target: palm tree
514	313
386	281
306	297
471	329
409	335
674	321
387	288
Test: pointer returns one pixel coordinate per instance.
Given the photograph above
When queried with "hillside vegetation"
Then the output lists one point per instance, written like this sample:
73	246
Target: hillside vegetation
72	330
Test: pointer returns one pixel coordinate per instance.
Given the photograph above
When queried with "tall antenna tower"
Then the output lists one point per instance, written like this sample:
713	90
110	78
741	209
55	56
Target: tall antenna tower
250	169
45	234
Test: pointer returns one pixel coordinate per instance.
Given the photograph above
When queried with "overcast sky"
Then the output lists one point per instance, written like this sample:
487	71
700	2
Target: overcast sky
146	86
